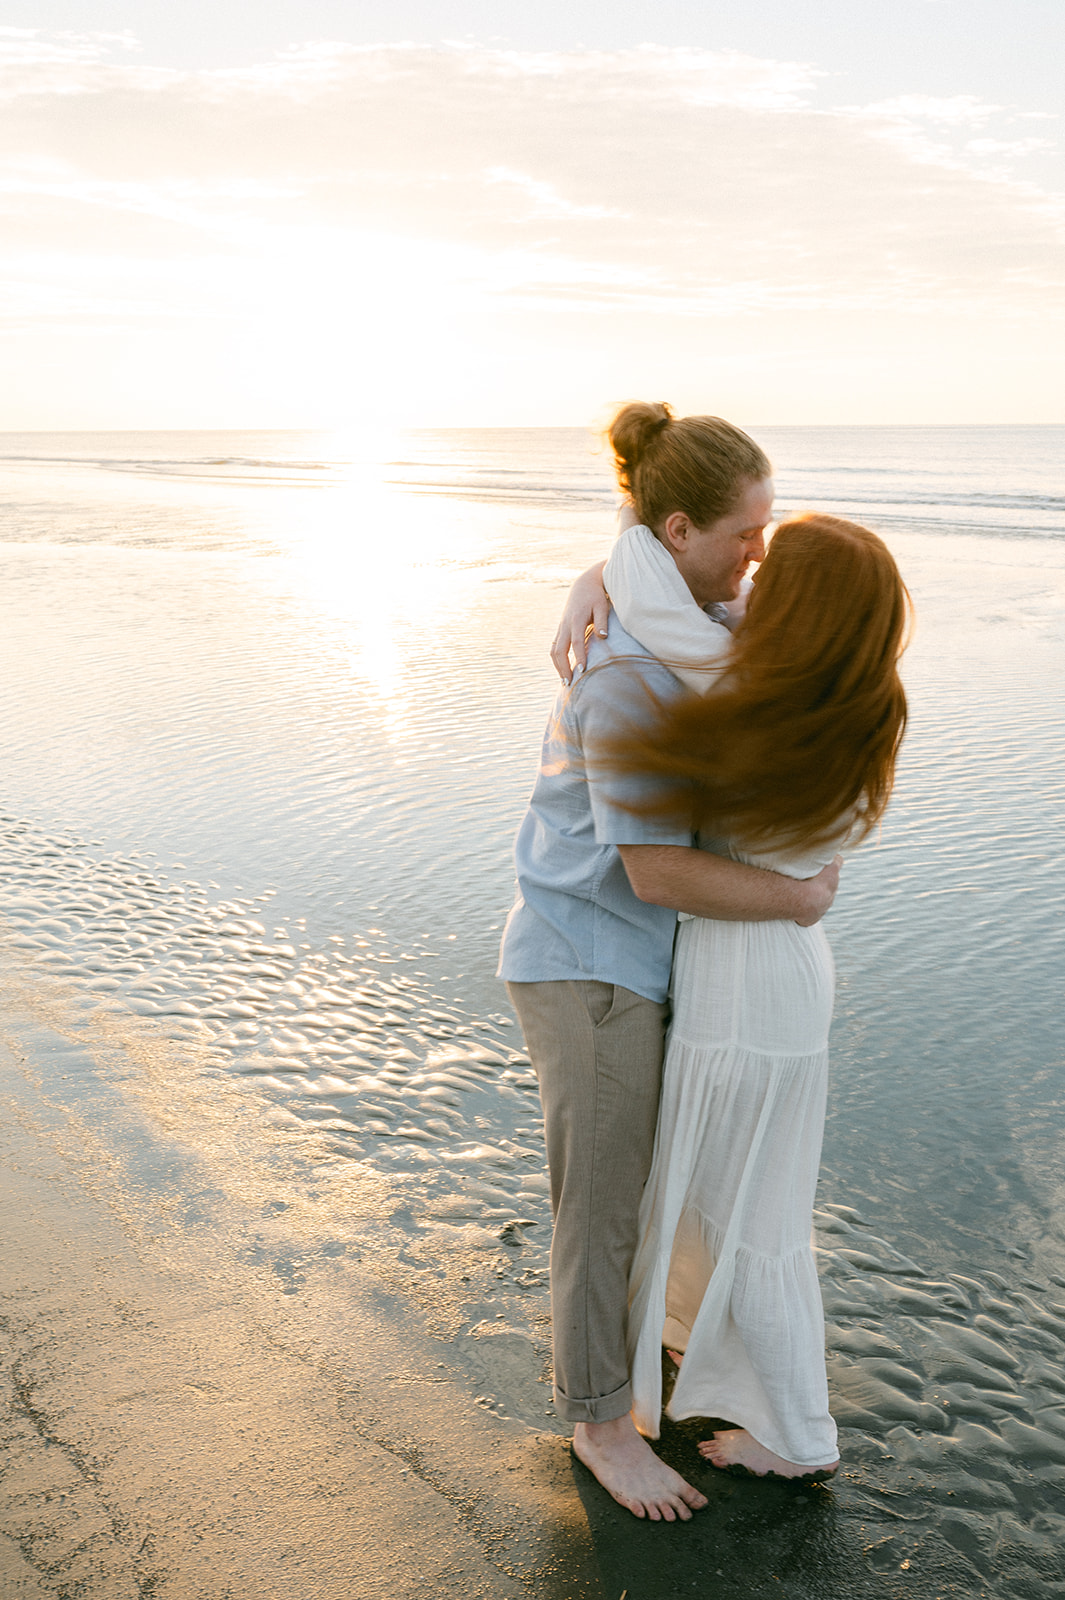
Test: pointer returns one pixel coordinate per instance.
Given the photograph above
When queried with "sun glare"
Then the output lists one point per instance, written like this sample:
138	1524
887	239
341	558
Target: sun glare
375	566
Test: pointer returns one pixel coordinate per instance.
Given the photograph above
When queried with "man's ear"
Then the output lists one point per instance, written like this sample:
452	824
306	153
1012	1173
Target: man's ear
676	530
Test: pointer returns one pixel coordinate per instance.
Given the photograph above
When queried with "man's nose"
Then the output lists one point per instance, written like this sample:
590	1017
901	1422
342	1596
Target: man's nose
756	548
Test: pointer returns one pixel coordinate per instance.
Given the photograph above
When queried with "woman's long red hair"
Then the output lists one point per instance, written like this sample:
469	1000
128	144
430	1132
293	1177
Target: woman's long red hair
803	729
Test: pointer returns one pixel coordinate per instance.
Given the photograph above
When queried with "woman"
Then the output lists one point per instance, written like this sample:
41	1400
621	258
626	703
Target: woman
790	753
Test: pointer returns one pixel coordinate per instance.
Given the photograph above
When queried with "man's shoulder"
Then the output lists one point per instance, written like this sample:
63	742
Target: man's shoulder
619	658
618	641
623	683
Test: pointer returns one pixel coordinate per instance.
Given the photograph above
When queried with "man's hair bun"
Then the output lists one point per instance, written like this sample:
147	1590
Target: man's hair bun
698	465
636	427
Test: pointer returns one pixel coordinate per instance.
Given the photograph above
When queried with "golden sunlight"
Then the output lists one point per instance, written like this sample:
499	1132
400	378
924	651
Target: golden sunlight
380	562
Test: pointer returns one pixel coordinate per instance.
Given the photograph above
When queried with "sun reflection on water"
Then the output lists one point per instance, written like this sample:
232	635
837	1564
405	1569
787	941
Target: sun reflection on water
384	565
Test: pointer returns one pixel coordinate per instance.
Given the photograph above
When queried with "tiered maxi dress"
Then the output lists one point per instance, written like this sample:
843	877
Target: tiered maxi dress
724	1268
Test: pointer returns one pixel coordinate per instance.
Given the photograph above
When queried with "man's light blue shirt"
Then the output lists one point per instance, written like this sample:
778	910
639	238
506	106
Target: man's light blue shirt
576	915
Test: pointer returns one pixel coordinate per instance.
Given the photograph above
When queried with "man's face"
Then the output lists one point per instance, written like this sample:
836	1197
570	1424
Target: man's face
713	560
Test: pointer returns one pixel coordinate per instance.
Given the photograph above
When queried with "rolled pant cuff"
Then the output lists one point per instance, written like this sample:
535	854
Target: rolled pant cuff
605	1408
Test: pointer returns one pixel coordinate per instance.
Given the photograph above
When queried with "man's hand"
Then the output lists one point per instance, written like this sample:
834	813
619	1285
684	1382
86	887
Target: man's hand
588	606
822	892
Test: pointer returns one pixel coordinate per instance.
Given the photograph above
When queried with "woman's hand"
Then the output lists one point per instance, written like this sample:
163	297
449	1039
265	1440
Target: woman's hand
587	608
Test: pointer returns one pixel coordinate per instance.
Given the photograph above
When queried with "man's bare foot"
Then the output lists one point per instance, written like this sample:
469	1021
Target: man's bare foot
676	1356
628	1469
735	1447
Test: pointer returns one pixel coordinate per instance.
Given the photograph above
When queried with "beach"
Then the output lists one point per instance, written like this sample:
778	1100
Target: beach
274	1298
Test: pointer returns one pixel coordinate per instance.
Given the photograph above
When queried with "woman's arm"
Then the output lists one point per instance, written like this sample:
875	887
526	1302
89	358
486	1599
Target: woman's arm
587	608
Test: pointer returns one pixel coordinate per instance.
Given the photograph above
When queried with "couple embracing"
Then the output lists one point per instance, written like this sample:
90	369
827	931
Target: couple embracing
665	956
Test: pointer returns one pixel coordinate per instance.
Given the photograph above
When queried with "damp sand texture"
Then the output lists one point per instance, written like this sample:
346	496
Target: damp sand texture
275	1300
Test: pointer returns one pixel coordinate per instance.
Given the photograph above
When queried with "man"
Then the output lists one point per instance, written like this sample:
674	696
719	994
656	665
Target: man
586	955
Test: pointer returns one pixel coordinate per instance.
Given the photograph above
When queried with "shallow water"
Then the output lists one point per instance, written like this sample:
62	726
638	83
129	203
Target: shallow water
265	748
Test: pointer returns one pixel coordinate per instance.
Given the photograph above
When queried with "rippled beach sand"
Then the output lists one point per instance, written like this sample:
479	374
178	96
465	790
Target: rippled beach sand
275	1187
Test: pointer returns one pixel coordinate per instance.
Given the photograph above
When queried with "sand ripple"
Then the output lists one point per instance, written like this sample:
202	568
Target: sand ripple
949	1390
353	1040
951	1404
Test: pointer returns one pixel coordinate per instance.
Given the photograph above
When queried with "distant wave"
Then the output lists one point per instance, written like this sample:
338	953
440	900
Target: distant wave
999	482
919	519
530	493
875	485
185	466
876	494
227	469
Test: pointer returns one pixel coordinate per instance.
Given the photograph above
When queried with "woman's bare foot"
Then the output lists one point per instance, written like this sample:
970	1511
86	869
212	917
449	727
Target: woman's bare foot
628	1469
735	1447
676	1356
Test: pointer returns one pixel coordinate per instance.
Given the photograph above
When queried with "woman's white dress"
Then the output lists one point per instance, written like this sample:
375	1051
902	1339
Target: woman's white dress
724	1268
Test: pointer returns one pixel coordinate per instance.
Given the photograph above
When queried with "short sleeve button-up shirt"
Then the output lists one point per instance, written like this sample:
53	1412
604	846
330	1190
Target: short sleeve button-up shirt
576	915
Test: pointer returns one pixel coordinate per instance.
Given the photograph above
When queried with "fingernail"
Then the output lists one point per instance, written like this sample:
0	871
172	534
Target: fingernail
565	683
602	633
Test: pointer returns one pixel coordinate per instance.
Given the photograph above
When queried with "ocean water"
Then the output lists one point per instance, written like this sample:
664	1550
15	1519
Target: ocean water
271	710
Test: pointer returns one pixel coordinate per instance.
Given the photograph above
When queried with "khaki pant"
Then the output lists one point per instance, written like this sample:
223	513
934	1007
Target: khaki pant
597	1051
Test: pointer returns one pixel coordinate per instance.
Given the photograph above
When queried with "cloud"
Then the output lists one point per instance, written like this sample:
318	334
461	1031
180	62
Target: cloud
545	198
36	63
959	109
347	183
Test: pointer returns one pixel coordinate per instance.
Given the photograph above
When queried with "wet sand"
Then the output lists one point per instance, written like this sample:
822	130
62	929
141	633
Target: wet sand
176	1425
224	1378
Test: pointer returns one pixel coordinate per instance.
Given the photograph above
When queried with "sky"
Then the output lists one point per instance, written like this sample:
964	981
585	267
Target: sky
342	214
